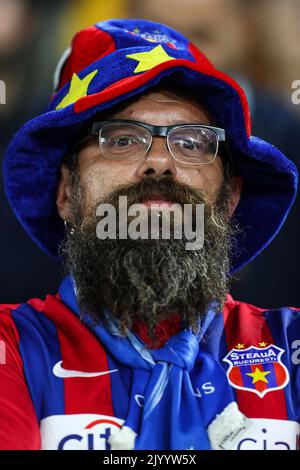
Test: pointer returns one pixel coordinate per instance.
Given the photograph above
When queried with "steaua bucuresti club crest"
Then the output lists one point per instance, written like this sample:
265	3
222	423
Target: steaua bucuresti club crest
257	369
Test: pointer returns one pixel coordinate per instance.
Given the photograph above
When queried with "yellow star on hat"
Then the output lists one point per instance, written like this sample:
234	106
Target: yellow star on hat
78	89
259	375
148	60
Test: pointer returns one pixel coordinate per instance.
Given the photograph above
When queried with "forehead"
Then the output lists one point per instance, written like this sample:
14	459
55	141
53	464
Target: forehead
162	105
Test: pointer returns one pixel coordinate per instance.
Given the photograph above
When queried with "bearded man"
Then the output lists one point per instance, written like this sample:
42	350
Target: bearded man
143	347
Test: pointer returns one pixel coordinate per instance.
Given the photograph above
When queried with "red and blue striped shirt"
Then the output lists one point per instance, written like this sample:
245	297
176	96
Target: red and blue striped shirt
59	388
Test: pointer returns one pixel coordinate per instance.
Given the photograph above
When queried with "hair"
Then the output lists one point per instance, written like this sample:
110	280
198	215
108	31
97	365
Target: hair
229	165
70	159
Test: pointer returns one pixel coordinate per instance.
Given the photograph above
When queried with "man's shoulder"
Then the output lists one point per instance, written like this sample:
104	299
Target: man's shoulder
34	304
239	306
32	313
249	325
39	322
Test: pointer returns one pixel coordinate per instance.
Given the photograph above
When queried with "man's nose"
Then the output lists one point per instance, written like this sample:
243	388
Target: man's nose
158	161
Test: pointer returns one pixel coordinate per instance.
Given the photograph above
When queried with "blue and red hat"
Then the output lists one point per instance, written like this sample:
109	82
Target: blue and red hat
110	62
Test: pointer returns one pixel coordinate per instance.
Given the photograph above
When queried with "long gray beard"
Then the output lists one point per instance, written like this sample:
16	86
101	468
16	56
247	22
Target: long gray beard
149	280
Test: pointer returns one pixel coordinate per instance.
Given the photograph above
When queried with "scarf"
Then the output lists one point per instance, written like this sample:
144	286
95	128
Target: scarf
166	409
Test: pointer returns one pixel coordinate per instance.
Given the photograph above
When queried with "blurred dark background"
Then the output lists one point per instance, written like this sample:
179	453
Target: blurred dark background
255	41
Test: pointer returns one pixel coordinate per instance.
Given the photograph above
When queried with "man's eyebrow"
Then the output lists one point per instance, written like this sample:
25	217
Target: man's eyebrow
180	121
175	123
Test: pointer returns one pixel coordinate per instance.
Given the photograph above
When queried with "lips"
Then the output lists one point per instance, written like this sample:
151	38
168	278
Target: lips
157	202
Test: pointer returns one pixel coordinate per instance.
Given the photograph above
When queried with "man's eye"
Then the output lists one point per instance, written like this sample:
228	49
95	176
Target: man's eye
188	144
123	141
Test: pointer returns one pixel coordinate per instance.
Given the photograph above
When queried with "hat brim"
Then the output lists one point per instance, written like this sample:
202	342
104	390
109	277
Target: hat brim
32	161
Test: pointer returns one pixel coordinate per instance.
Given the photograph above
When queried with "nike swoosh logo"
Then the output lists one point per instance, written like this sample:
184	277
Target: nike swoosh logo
62	373
139	399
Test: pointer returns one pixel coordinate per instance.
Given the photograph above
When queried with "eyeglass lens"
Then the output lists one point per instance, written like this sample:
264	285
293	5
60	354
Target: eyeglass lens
191	144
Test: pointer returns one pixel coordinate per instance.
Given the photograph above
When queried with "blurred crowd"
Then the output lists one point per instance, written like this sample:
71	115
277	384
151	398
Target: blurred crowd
255	41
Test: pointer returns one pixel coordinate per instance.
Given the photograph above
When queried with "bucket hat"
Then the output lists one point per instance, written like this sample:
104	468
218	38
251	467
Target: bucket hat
109	63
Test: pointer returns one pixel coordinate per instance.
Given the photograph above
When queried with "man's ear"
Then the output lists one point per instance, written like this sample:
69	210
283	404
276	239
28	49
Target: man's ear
64	193
236	185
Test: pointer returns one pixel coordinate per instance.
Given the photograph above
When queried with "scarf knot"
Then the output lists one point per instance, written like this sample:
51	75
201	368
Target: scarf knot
180	350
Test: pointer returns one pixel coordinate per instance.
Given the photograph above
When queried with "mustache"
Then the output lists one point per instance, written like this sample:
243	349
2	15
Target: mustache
151	188
147	188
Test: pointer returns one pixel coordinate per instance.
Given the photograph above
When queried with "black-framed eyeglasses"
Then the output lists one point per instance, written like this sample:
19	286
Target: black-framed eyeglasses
190	144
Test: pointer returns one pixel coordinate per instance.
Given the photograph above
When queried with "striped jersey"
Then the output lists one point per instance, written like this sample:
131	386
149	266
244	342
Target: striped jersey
61	389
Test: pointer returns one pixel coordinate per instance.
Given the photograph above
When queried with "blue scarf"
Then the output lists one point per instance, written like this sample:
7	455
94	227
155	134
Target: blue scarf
165	410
